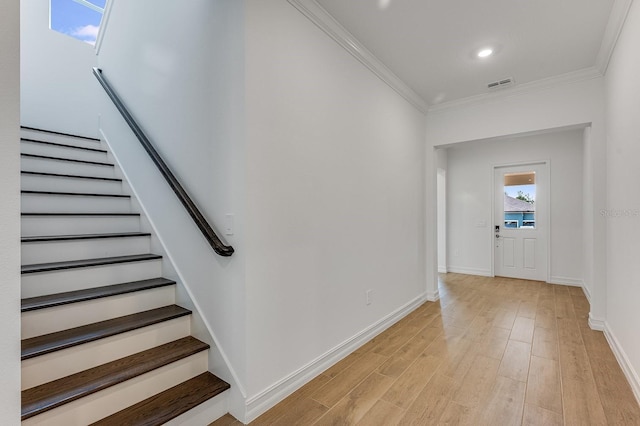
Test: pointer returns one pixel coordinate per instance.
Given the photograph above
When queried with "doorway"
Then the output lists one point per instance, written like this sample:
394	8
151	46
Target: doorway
521	221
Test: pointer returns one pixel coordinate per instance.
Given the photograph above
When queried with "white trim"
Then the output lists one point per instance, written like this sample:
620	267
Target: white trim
470	271
269	397
442	269
534	86
547	189
327	23
596	323
573	282
627	368
90	5
433	296
617	18
104	23
167	255
586	292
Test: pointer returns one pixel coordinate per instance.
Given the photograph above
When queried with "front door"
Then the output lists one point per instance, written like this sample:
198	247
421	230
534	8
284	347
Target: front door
521	221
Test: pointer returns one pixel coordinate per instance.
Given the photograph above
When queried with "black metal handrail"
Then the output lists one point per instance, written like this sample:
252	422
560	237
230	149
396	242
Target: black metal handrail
208	232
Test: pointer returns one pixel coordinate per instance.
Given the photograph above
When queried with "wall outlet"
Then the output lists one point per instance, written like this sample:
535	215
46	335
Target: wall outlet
456	253
368	296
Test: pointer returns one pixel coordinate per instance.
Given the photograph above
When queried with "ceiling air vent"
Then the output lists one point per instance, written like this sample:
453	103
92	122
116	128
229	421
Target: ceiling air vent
501	84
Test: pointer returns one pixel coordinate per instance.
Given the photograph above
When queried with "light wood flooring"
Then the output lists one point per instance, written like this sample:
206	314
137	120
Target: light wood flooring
493	351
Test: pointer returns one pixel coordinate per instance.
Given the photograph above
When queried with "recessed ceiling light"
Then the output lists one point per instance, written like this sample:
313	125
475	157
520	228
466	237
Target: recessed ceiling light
484	53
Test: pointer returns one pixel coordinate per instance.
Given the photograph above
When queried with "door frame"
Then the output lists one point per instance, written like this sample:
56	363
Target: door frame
546	187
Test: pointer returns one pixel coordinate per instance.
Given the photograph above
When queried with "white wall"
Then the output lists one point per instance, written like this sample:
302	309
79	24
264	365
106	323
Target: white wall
335	195
57	89
10	212
623	204
330	169
546	108
441	158
562	105
470	186
588	217
180	71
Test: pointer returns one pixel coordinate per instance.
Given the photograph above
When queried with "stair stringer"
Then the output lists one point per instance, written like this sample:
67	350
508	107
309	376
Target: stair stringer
201	327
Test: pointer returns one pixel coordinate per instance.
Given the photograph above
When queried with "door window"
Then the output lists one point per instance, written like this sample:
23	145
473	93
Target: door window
520	200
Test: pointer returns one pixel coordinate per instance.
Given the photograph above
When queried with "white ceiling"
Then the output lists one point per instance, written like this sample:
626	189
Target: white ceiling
431	44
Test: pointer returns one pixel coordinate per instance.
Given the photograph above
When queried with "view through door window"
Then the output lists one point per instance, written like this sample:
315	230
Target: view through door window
77	18
520	200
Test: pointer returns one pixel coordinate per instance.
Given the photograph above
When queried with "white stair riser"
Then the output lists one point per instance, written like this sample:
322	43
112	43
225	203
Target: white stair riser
68	225
43	283
45	368
46	165
67	140
205	413
98	405
27	147
59	251
64	184
58	318
36	203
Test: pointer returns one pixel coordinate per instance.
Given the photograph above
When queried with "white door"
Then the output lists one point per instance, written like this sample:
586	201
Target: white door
521	221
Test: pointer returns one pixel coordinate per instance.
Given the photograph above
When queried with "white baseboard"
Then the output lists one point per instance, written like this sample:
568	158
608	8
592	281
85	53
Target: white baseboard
442	269
263	401
573	282
628	370
469	271
587	293
433	296
596	323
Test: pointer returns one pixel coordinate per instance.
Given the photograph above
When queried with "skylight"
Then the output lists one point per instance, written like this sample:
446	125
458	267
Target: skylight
77	18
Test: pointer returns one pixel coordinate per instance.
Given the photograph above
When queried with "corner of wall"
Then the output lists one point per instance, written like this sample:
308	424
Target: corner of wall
627	368
275	393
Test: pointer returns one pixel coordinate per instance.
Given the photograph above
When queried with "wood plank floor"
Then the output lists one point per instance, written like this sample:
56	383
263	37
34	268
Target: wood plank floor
493	351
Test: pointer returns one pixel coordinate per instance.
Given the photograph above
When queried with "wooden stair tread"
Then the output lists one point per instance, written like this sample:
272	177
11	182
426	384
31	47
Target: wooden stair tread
78	194
28	172
35	129
52	342
48	157
86	263
39	399
50	395
50	300
62	145
35	239
169	404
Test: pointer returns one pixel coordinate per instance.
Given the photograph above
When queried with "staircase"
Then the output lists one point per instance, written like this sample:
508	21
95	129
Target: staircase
103	341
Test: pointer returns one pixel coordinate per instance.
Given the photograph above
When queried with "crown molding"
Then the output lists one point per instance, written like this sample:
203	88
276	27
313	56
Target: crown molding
617	18
534	86
327	23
